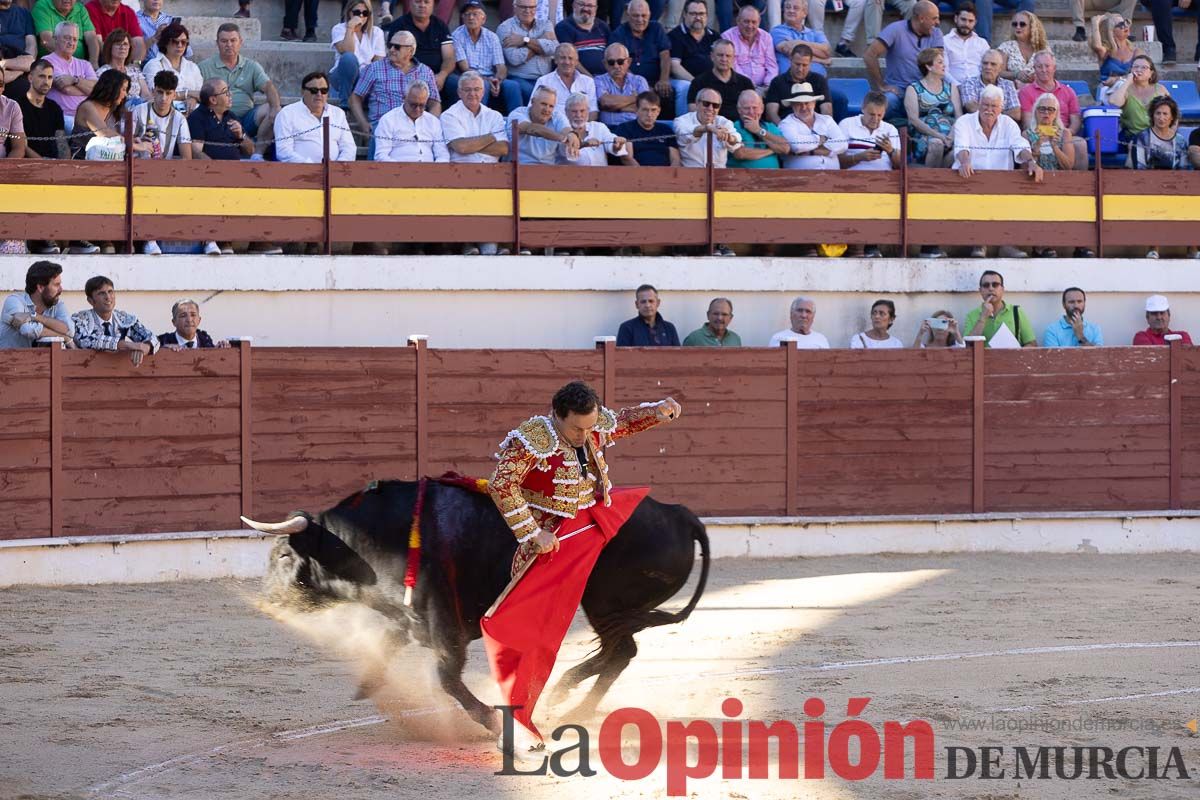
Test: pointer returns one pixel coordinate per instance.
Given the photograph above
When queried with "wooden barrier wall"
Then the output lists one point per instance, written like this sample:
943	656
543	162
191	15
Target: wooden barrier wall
188	441
538	206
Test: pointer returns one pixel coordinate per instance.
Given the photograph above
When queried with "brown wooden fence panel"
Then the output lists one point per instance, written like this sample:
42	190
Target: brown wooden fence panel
726	453
478	396
24	444
45	199
153	448
325	421
884	432
1151	208
1076	429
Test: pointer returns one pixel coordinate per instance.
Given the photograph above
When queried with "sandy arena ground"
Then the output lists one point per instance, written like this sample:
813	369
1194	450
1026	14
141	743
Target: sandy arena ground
188	690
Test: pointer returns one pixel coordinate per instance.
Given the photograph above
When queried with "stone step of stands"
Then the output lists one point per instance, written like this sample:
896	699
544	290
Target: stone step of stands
204	29
267	14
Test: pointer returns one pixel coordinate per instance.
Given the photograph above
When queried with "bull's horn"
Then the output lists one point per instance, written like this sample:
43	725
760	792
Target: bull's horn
286	528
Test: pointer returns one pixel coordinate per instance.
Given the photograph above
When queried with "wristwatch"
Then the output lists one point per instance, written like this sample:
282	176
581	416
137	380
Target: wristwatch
525	40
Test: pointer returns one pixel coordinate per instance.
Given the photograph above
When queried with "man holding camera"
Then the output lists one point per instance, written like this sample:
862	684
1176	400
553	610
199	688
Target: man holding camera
1071	330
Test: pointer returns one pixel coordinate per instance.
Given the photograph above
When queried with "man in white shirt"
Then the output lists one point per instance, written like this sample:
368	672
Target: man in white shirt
988	139
597	142
475	134
541	130
964	48
693	129
873	143
410	133
299	138
815	139
802	313
567	80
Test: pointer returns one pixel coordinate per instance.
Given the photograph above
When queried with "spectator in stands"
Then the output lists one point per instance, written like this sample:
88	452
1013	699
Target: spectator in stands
299	138
566	80
945	334
1161	146
799	71
1045	81
691	49
1070	330
18	46
879	336
185	317
173	41
932	105
1029	39
103	327
28	316
648	328
595	139
648	143
803	312
435	45
477	48
102	114
693	129
901	41
410	133
964	47
357	43
541	130
12	126
1158	317
1048	138
762	142
164	126
715	332
383	85
721	79
1133	94
216	131
42	117
1164	28
588	33
792	31
855	15
291	20
1080	9
648	46
244	77
990	67
475	134
153	21
114	54
243	9
528	46
873	15
872	143
815	139
1110	41
49	14
994	313
617	90
110	15
753	50
74	77
989	140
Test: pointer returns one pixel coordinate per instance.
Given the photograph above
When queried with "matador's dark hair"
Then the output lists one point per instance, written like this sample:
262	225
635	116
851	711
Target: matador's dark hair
575	397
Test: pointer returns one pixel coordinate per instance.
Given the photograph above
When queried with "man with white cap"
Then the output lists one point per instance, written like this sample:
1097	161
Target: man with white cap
1158	316
815	139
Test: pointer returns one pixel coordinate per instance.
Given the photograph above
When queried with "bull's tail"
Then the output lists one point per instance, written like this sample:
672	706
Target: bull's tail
628	624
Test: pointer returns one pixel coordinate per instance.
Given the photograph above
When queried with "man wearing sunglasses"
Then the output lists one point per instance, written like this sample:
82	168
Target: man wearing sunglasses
384	84
994	313
617	90
298	127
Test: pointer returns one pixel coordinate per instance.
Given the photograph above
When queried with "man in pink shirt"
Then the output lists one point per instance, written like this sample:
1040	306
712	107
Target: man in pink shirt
73	77
1045	81
753	49
108	15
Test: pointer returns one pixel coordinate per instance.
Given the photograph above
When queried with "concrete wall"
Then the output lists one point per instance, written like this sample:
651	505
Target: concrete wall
466	302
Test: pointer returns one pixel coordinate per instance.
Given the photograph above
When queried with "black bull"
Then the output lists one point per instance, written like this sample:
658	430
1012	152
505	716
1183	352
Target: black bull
357	551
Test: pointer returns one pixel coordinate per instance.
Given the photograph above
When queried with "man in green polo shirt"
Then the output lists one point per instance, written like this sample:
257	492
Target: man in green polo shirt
994	313
48	13
245	78
715	332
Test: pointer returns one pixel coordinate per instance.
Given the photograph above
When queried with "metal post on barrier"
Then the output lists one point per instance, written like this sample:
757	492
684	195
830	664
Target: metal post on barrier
514	154
328	232
129	182
708	188
904	193
1099	197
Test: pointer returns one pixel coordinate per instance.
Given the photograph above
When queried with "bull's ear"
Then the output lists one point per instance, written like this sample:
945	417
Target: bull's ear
295	524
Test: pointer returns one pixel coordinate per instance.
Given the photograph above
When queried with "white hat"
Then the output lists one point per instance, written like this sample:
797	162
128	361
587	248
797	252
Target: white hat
1157	302
801	93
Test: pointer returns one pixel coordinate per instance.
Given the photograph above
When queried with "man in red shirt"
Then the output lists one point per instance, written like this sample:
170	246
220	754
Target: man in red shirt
1158	315
108	15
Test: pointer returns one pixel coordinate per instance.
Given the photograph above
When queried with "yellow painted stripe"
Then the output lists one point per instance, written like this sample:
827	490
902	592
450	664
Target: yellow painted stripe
1156	208
422	202
211	201
805	205
1002	208
614	205
35	199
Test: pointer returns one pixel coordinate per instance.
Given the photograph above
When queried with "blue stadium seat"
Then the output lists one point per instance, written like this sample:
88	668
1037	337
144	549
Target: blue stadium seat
1188	98
1080	88
855	90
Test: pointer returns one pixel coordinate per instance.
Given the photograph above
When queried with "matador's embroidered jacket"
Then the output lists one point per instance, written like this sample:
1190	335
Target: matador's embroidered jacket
538	481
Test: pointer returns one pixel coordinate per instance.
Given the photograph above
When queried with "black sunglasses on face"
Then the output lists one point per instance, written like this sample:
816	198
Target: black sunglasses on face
990	285
612	62
360	13
394	46
317	89
708	104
